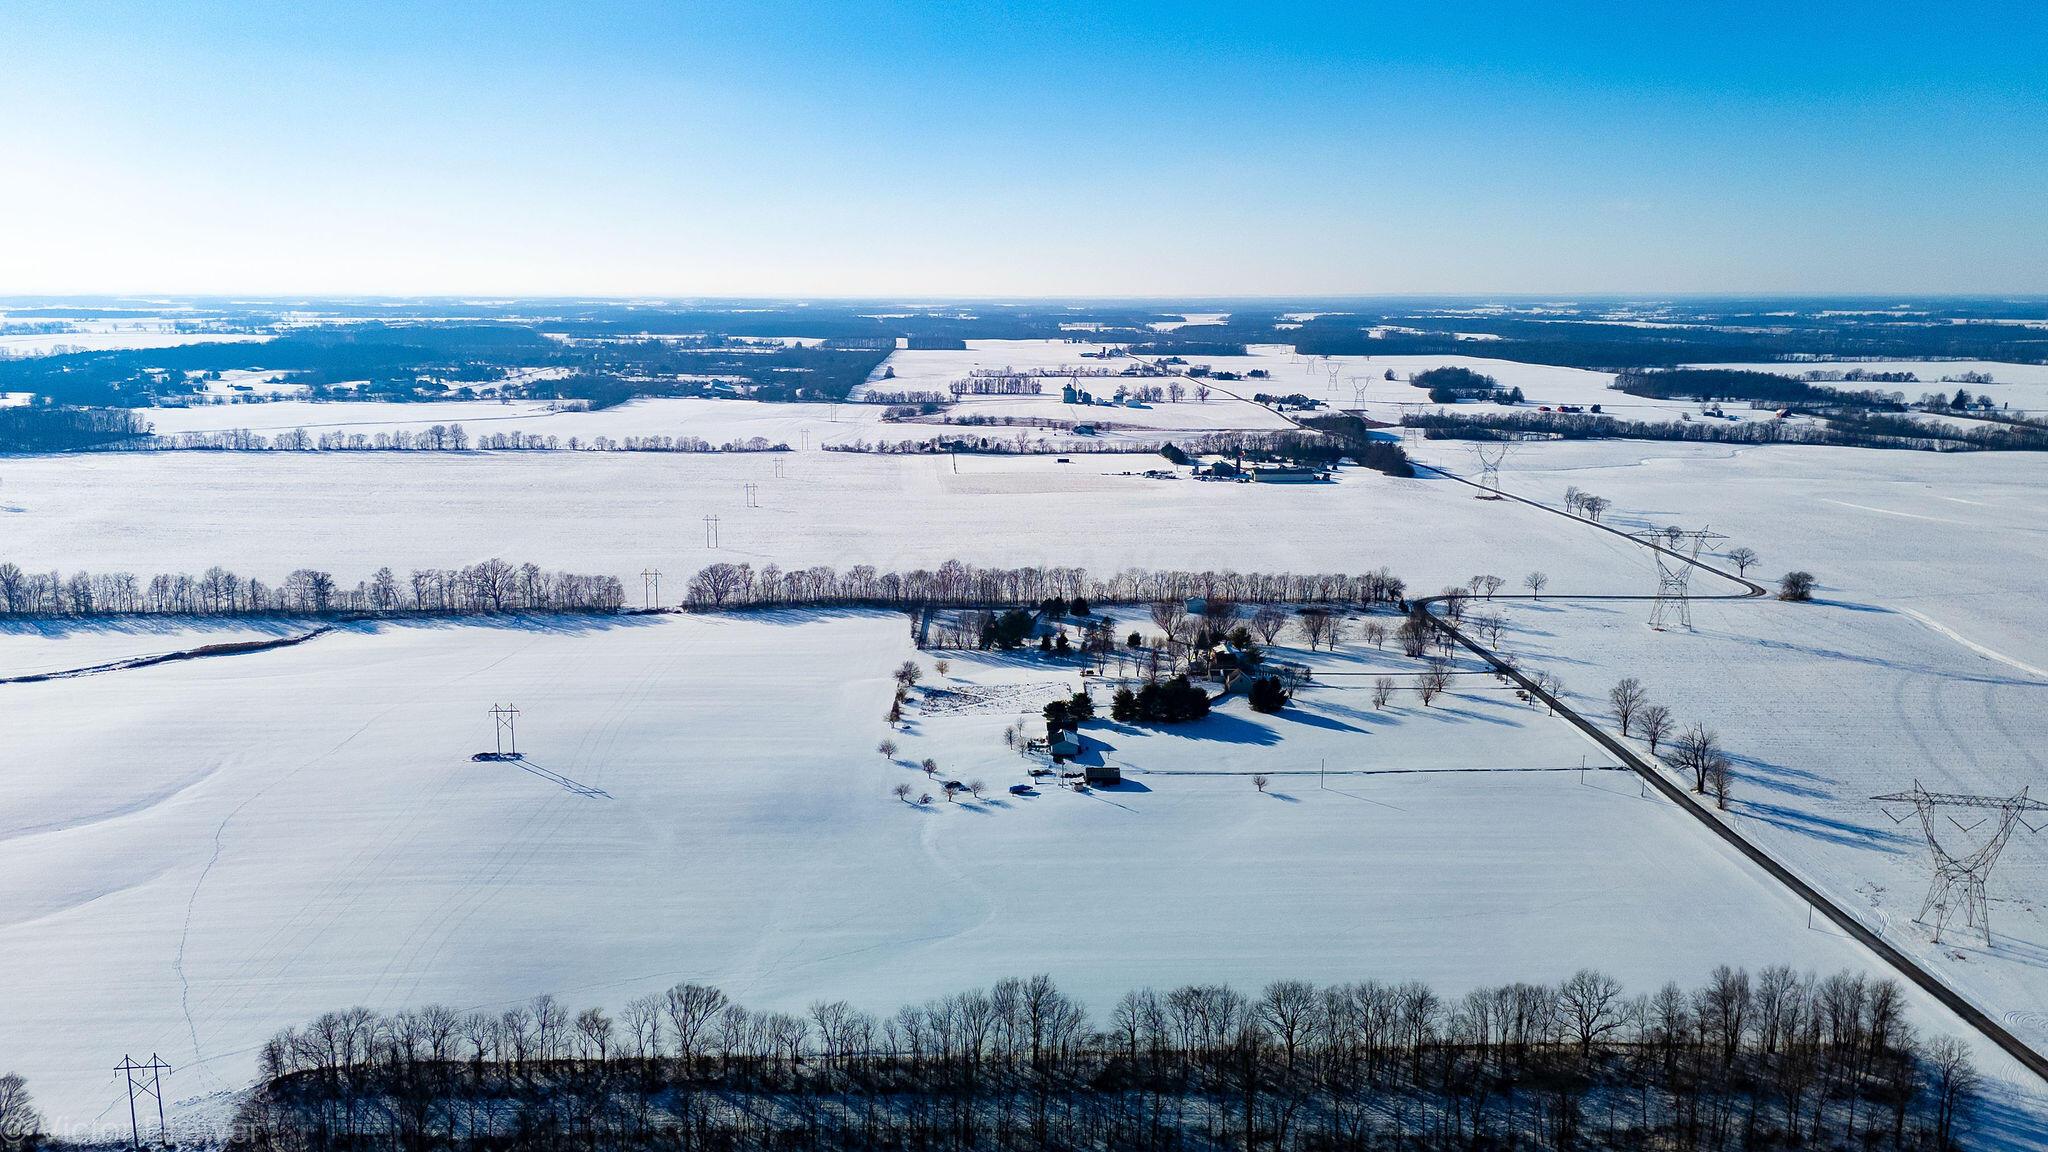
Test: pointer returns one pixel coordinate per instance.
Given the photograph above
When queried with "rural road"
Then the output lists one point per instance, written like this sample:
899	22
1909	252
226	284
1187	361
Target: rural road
1907	966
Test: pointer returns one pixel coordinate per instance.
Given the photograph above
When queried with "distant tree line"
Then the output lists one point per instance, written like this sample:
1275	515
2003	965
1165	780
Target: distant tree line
1755	387
1864	430
436	438
1020	444
60	428
1003	385
488	586
1735	336
427	360
1779	1060
1343	437
1186	346
958	584
906	396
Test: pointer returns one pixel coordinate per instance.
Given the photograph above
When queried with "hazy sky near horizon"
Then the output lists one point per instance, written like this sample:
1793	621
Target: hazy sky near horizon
1017	149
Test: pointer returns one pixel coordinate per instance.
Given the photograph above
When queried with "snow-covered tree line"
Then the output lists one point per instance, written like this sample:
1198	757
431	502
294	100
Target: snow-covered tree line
488	586
1779	1059
437	438
959	584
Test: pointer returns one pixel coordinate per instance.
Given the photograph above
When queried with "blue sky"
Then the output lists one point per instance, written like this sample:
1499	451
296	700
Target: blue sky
1022	149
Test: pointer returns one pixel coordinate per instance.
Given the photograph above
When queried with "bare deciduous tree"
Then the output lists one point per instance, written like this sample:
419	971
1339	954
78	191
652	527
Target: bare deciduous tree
1434	680
1536	582
1454	603
1491	626
1590	1003
1717	781
1953	1083
1382	691
1414	637
20	1124
901	791
1260	781
1315	626
1742	558
887	748
1268	622
1627	699
1375	634
1698	751
1654	722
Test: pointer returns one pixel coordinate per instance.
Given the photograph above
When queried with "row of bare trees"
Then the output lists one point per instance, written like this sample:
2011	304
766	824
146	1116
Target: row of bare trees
1693	751
1581	503
1779	1059
435	438
488	586
957	583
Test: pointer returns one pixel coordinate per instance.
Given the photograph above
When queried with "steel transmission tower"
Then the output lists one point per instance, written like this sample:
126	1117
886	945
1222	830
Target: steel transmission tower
144	1080
1491	457
1677	553
505	719
1959	876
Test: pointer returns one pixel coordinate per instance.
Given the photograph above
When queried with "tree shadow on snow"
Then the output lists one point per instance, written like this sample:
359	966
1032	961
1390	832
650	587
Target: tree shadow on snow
1219	726
556	623
1778	777
1826	830
62	629
1309	719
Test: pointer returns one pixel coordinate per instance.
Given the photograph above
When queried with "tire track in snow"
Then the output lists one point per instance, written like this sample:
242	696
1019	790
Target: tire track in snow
192	902
1988	653
235	983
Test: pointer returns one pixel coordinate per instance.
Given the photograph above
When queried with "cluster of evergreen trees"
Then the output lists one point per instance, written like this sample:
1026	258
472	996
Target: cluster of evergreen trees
1172	701
486	587
1781	1060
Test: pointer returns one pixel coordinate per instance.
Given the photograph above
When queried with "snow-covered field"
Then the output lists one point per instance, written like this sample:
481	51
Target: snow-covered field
1344	382
1957	538
208	851
1340	381
198	853
40	647
265	514
1823	707
717	421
